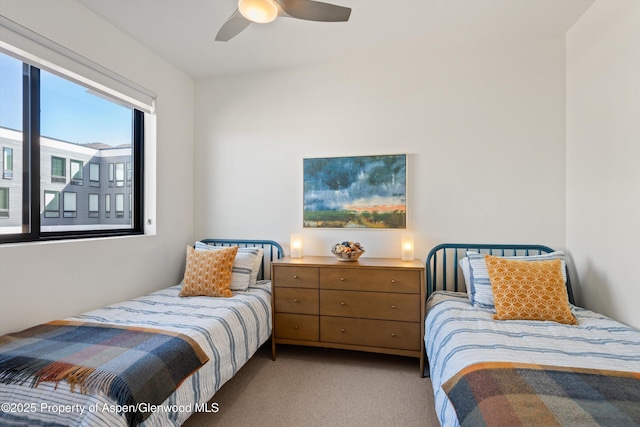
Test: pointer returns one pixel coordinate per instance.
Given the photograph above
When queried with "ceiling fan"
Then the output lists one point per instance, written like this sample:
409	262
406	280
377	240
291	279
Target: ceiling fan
264	11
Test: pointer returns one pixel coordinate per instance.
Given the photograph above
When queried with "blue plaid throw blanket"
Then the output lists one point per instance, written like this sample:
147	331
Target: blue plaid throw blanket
131	365
517	394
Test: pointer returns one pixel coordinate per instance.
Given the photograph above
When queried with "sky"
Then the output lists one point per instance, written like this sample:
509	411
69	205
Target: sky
68	111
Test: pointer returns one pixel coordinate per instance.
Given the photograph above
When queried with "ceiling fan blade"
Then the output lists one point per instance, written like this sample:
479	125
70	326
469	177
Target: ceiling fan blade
232	27
314	10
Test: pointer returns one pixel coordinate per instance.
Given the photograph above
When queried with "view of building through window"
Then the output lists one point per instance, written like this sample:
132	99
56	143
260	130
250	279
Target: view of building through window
85	154
11	143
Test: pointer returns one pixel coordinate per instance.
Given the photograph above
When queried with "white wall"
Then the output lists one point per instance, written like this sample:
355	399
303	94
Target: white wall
44	281
603	148
482	122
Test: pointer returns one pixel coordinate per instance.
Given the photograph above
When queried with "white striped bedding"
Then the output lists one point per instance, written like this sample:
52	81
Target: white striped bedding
229	330
459	335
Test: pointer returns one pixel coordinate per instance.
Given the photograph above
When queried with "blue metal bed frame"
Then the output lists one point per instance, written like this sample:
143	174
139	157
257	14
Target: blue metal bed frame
448	269
452	275
272	251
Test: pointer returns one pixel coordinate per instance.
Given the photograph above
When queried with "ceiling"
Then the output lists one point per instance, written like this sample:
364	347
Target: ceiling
183	31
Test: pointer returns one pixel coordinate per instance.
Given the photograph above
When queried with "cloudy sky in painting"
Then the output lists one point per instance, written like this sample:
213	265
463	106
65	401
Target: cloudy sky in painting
355	183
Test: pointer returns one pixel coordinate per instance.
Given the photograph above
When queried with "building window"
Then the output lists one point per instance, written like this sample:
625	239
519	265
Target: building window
94	205
71	125
94	174
119	205
111	174
7	163
4	202
77	173
69	205
128	174
107	205
51	204
58	169
119	174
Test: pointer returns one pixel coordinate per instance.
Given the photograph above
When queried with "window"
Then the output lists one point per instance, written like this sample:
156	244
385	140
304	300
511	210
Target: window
111	174
119	205
58	169
94	208
119	174
52	127
69	204
107	205
51	204
94	174
77	175
7	163
4	202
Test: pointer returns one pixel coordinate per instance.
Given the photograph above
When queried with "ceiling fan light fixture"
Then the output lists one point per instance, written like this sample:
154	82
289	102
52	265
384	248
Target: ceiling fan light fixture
259	11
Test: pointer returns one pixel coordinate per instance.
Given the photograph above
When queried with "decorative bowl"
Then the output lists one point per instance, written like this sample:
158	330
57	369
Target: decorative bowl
347	251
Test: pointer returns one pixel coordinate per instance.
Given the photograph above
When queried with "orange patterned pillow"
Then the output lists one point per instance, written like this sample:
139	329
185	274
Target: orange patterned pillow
529	290
208	273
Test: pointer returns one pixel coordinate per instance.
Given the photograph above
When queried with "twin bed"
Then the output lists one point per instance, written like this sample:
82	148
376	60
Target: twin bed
488	372
484	371
226	332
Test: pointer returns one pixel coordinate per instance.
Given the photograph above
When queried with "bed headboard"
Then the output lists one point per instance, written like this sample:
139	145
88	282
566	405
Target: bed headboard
443	269
272	251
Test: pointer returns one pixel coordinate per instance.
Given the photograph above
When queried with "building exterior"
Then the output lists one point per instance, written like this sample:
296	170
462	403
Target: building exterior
82	187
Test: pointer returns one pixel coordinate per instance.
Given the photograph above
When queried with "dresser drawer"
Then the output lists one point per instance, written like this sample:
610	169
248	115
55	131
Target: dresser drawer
295	277
370	305
371	333
296	300
297	327
370	279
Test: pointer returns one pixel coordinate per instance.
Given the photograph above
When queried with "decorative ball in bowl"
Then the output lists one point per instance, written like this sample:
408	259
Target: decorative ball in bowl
347	251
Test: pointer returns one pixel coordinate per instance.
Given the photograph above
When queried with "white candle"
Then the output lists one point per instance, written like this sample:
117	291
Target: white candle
407	247
296	246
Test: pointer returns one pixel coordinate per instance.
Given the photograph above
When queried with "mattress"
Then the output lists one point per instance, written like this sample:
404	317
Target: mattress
229	330
458	335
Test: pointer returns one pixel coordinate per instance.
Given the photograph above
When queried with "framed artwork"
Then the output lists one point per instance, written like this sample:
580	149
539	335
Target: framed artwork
355	192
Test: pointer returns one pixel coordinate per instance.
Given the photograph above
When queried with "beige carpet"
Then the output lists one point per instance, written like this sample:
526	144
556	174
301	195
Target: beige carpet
308	387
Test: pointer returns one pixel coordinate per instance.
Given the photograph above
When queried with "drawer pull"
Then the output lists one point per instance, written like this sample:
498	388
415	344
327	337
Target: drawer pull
296	301
393	335
393	281
342	304
342	279
295	277
393	307
295	326
342	330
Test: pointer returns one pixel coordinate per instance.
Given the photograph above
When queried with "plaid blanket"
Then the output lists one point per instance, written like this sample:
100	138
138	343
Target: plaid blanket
511	394
136	367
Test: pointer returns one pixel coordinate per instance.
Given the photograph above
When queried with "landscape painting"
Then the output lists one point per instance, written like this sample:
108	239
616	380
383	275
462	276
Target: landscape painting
355	192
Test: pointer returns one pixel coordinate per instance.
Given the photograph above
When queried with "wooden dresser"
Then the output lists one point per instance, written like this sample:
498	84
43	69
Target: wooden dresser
374	304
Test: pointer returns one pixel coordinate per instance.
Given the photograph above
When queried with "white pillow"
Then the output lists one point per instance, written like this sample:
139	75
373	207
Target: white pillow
246	266
466	273
258	253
